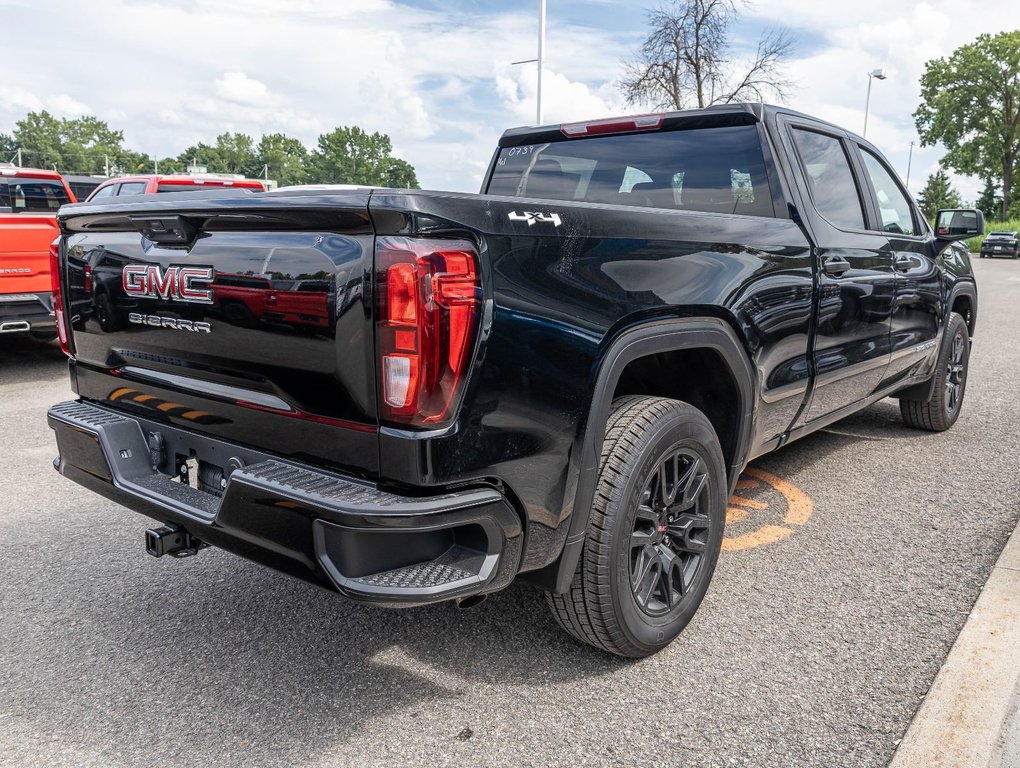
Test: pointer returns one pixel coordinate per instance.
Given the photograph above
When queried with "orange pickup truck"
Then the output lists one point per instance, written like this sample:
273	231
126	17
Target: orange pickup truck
29	199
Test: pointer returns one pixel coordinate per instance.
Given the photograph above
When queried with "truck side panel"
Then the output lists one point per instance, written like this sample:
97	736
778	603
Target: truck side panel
560	293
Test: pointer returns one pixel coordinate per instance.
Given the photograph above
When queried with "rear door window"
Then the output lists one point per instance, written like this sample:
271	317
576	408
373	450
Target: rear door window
718	170
107	191
830	180
132	188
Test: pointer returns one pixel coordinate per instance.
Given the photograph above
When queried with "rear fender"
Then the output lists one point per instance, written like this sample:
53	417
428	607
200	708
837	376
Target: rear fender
651	339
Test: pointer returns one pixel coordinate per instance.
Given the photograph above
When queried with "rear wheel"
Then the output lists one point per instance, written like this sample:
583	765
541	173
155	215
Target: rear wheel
940	411
655	529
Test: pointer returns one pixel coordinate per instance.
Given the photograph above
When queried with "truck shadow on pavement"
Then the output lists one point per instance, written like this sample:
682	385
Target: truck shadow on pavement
23	360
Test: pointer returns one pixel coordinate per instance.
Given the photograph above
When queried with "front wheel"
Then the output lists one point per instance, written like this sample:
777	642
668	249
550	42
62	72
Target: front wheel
940	411
655	529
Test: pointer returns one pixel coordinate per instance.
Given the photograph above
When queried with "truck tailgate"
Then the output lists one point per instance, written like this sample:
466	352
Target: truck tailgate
25	252
240	318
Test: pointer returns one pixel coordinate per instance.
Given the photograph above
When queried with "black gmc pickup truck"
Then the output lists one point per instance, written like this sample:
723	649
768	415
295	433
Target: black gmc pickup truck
410	397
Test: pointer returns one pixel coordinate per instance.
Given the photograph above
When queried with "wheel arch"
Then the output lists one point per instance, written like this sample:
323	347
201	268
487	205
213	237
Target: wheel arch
683	335
963	301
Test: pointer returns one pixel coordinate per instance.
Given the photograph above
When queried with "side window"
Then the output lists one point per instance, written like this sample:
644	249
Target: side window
106	191
831	182
132	188
5	195
892	203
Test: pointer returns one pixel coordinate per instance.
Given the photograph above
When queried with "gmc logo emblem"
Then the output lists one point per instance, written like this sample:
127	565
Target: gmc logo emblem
174	283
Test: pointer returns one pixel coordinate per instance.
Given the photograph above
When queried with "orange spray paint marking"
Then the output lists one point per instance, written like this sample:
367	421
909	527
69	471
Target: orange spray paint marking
764	494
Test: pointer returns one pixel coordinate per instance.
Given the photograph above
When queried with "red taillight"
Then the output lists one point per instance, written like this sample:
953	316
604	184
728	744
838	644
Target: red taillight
613	125
58	304
429	299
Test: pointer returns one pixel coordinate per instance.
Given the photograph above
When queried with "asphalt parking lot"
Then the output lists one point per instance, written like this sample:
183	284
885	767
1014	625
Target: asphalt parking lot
852	560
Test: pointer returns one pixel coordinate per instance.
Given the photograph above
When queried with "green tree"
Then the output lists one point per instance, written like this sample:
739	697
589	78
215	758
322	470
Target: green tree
233	153
351	156
970	102
73	145
8	147
989	202
401	175
285	157
687	59
199	154
237	154
938	193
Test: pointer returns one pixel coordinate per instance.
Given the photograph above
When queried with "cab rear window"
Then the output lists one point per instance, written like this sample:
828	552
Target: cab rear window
719	170
27	195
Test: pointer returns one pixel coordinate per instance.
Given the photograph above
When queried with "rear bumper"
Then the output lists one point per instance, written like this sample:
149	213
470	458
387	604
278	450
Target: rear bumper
26	312
341	533
1002	251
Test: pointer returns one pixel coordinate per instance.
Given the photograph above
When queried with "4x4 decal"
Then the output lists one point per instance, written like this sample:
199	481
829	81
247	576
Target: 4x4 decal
535	217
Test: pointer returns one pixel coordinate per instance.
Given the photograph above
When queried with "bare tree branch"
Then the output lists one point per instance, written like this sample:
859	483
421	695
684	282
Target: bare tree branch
683	62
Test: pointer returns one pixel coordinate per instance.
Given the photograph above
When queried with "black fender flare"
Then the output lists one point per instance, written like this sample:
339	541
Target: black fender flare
924	390
968	289
629	345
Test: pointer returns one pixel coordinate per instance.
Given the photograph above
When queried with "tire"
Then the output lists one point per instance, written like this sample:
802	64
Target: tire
237	313
939	412
654	450
106	313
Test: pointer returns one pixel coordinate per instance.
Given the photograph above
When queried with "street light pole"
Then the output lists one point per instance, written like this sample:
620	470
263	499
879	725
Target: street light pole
540	61
541	58
880	74
910	158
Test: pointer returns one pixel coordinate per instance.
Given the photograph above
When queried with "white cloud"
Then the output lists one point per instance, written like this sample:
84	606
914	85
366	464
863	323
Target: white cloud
15	102
66	106
241	89
563	99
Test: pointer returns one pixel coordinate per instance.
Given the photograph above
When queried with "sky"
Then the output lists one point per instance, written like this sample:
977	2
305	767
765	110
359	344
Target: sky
437	76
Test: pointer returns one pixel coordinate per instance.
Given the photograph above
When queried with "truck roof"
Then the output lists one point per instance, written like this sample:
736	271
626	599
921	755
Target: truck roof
196	180
709	117
32	173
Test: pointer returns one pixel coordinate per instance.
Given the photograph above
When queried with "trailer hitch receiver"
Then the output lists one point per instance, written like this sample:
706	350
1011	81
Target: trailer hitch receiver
171	539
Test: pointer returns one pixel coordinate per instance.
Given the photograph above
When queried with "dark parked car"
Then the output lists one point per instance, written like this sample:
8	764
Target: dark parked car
558	380
1000	244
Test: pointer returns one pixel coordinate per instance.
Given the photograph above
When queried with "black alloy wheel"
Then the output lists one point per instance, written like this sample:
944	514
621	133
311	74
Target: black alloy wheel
956	374
671	533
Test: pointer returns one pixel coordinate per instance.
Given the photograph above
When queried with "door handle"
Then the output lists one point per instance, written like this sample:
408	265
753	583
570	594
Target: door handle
836	266
902	263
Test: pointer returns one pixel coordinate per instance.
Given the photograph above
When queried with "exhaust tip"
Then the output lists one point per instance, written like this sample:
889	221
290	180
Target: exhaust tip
463	603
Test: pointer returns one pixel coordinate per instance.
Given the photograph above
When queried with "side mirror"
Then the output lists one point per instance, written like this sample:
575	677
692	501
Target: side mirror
959	223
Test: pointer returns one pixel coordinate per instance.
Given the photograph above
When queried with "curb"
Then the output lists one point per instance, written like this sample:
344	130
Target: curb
971	715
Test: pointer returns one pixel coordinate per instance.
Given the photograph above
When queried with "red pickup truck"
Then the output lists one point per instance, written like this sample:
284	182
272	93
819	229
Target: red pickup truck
29	199
151	184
